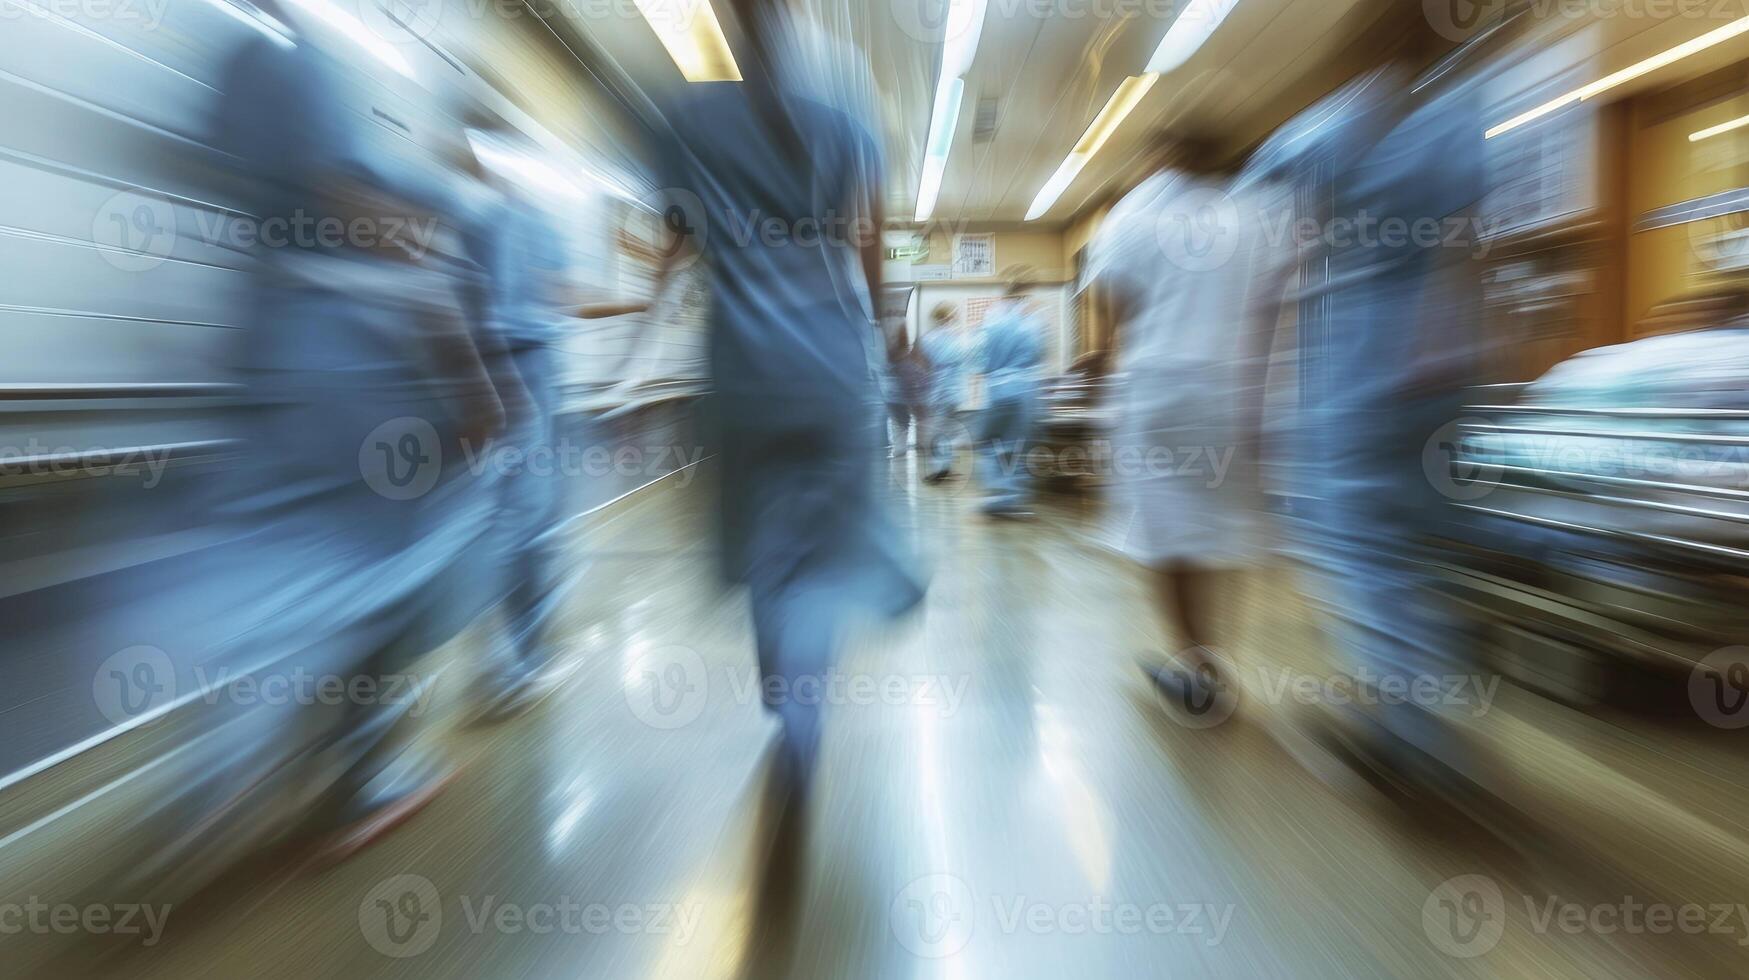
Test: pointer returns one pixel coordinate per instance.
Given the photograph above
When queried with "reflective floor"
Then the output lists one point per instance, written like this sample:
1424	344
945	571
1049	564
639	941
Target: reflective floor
1002	797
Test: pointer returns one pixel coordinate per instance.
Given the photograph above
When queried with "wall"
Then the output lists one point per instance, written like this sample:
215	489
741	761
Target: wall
1666	169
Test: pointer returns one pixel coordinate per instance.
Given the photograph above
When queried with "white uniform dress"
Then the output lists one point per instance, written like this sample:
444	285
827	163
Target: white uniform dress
1201	271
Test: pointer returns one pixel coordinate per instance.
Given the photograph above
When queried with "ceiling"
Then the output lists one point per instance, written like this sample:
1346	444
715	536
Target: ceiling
1049	73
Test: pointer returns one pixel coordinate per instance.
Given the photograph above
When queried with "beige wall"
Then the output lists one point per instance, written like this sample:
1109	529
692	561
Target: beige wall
1664	169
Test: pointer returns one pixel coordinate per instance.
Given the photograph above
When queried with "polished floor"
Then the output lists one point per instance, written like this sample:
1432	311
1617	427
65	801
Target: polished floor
1002	797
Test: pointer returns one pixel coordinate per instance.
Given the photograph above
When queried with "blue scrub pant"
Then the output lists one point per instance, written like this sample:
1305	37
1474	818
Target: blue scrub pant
527	487
943	431
1004	429
802	528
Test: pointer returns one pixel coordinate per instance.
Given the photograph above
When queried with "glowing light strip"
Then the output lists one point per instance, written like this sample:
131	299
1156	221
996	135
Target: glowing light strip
689	29
1121	103
1710	39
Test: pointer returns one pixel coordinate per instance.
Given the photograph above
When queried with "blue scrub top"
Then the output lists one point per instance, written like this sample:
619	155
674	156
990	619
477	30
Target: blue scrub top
790	321
1011	354
523	258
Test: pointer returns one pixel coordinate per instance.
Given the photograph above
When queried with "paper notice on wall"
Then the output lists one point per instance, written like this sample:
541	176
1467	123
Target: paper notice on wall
974	256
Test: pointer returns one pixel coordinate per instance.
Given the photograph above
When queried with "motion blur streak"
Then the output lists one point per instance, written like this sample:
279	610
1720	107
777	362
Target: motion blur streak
761	489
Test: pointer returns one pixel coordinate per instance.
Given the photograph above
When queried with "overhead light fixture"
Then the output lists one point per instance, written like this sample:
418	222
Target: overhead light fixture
959	48
1710	39
1127	96
1721	128
354	30
1192	28
694	38
941	130
1189	32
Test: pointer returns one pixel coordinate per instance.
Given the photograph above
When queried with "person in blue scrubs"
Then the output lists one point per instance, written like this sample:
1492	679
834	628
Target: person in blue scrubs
1403	341
944	347
1010	357
791	315
523	260
364	381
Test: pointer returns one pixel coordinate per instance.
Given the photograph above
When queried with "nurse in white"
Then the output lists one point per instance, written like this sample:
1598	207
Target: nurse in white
1195	285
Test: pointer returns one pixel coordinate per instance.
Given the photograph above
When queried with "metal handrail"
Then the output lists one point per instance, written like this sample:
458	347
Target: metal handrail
169	389
82	464
1714	550
1625	413
1689	489
1531	430
1657	505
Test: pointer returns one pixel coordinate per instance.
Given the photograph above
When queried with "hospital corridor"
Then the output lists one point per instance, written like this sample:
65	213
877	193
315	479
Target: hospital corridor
896	489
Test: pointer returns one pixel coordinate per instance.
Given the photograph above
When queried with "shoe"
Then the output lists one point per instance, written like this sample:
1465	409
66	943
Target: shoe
391	798
520	688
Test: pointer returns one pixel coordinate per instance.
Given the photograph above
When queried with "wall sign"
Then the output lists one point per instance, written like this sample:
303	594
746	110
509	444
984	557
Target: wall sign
974	256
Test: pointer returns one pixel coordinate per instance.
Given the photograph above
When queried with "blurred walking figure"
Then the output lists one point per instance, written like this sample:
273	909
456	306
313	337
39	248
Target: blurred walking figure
800	524
1195	290
903	381
944	348
523	261
1010	356
367	380
1402	344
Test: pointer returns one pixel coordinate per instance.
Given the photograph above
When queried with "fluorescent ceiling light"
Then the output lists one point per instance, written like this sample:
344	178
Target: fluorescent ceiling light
690	31
935	153
959	48
355	31
1710	39
1194	26
1710	132
1127	96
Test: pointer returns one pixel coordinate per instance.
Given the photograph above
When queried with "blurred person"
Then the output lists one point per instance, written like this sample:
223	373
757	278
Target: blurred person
1010	357
366	381
800	524
518	322
902	385
1195	288
944	348
1402	343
